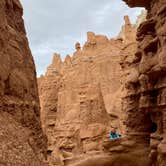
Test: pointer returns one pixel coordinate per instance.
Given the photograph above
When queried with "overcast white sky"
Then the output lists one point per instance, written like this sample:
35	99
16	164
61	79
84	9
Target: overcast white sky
56	25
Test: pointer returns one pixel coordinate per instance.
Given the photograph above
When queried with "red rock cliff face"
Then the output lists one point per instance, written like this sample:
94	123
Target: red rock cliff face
146	92
81	97
21	138
74	97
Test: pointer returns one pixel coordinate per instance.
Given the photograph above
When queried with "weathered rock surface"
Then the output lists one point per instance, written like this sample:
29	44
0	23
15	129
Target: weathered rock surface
74	97
145	100
22	142
81	97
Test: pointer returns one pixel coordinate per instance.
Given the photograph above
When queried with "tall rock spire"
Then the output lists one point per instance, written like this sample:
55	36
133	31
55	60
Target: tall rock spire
78	51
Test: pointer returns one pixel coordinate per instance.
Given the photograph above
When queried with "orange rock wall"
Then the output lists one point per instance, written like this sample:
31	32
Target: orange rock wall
21	139
81	97
146	92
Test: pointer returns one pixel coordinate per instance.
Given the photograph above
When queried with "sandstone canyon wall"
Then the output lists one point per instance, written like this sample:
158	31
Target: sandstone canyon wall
81	97
105	83
74	95
145	100
22	142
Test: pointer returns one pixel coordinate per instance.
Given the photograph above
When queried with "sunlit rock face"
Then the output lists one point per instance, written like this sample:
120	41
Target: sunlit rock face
146	94
81	98
21	138
75	96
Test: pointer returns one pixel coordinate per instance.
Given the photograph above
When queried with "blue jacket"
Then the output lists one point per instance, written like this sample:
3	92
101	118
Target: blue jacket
113	136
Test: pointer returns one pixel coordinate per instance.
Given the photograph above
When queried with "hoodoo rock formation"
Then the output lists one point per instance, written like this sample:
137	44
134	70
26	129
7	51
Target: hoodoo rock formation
81	97
22	142
75	97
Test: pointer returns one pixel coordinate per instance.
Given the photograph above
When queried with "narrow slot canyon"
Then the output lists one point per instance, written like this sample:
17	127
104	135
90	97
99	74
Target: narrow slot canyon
109	85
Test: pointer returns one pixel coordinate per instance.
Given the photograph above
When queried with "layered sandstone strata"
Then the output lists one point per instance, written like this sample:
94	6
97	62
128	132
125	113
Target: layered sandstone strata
145	101
21	138
81	97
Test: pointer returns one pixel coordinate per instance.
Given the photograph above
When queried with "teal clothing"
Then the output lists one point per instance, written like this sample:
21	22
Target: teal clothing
114	136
